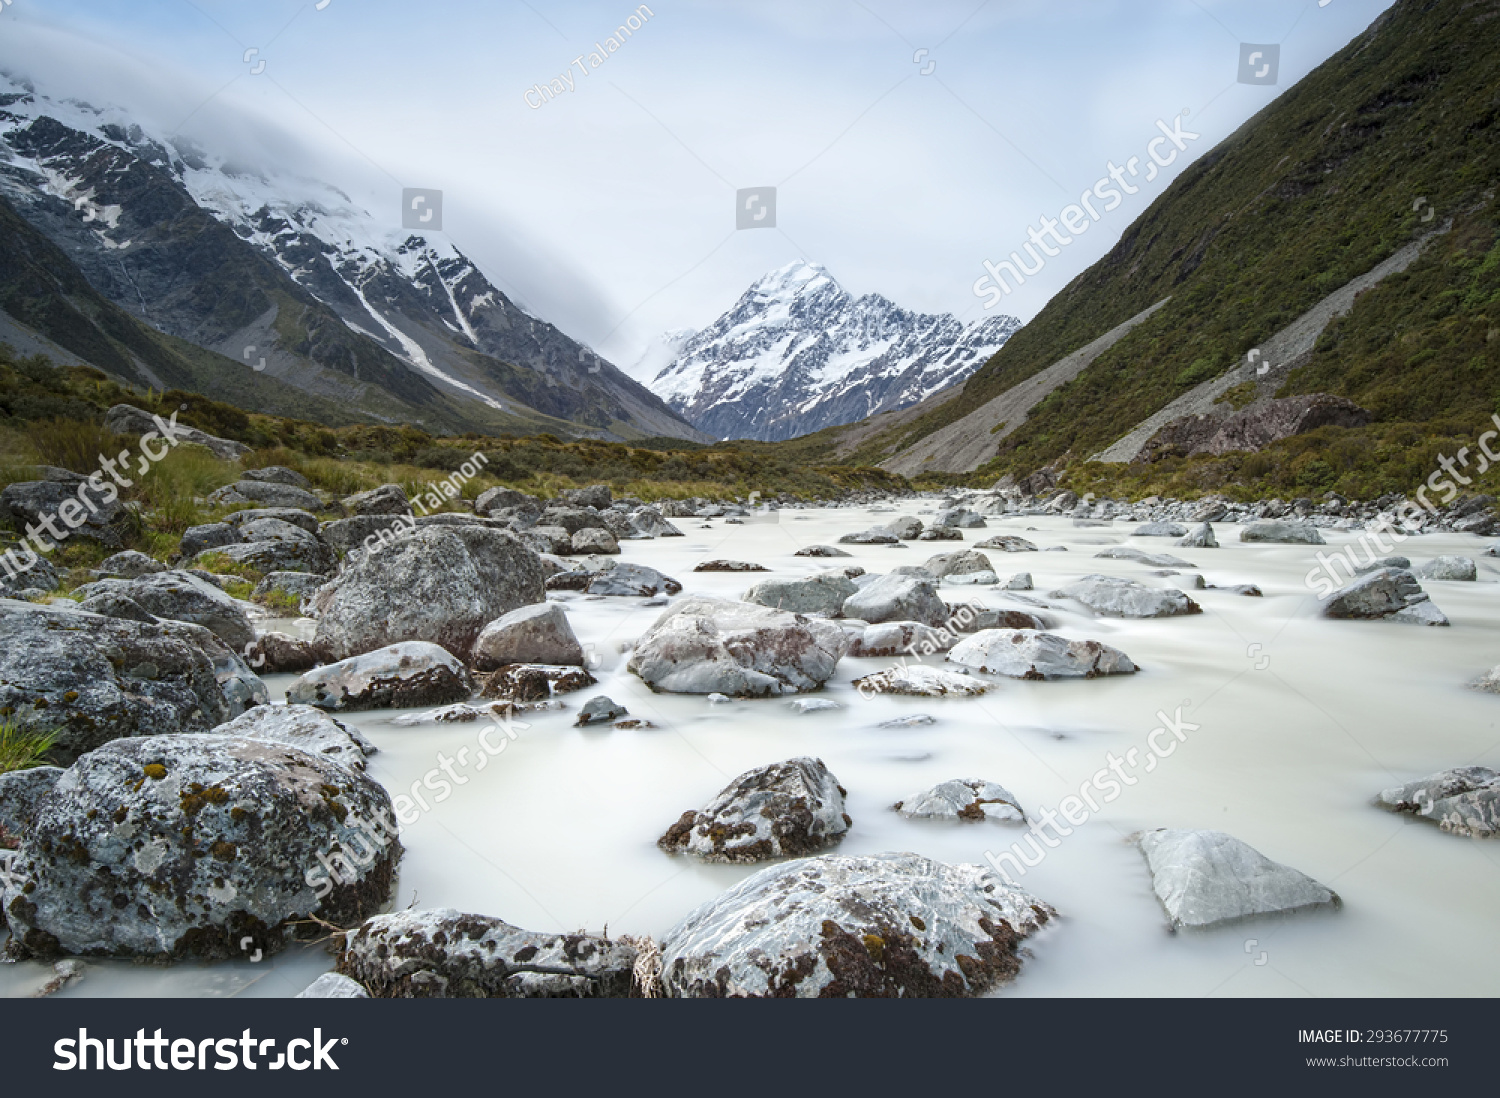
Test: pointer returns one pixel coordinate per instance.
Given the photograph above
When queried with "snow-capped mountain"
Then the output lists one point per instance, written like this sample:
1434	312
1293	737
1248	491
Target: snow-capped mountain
798	353
290	277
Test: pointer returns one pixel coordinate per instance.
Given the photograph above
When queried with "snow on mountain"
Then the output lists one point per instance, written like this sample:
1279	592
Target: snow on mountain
798	353
413	294
660	353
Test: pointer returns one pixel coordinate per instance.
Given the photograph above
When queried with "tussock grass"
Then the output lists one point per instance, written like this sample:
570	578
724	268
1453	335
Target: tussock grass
23	750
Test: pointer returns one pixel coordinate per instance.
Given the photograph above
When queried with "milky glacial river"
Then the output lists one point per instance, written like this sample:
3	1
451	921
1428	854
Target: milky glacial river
1301	721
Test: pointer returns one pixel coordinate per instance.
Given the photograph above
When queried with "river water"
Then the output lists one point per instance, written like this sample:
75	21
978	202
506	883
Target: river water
1301	721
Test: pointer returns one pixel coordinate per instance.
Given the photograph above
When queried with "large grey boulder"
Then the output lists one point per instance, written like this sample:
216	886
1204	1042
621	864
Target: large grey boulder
92	679
278	474
399	676
437	584
20	792
388	499
532	634
594	540
1113	597
820	593
1160	530
573	519
1390	594
828	551
963	799
1204	878
302	727
649	523
296	516
885	926
446	954
616	579
267	494
906	528
129	565
274	545
298	585
66	503
897	597
1286	533
784	810
182	596
198	846
527	683
362	532
33	573
596	496
125	419
500	499
275	653
879	535
1461	569
1464	801
1201	538
1155	560
959	517
112	604
1026	654
965	562
714	646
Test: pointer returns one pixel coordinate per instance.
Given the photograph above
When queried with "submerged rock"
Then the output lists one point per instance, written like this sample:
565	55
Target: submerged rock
735	565
1464	801
1285	533
198	846
821	551
1156	560
1389	594
713	646
446	954
1204	878
920	681
787	809
1461	569
1007	543
963	799
600	710
1026	654
1120	598
890	925
395	677
1160	530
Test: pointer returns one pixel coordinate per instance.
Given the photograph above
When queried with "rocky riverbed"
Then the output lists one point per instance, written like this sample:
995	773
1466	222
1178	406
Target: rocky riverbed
1302	721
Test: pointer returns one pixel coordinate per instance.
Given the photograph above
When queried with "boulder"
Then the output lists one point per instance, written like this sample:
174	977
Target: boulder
181	596
1389	594
959	517
535	682
731	566
1119	598
784	810
267	494
270	545
98	516
884	926
538	633
625	581
1464	801
200	539
1400	563
333	985
296	516
594	540
936	532
112	604
821	551
129	565
917	680
572	519
984	618
1206	878
280	654
125	419
596	496
398	676
499	499
897	597
1007	543
1285	533
345	536
32	573
965	562
93	679
305	728
1155	560
905	528
388	499
438	584
1160	530
1461	569
894	638
600	710
278	474
446	954
649	523
20	792
1021	581
1027	654
206	847
820	593
963	799
713	646
1201	538
549	539
877	536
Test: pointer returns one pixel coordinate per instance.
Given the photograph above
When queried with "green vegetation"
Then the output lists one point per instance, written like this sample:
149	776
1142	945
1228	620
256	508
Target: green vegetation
22	750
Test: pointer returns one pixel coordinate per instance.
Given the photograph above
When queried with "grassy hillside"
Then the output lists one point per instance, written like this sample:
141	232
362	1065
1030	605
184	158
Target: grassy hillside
1315	190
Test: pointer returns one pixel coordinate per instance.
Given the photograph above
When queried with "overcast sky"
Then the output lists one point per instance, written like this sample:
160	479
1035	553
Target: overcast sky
610	210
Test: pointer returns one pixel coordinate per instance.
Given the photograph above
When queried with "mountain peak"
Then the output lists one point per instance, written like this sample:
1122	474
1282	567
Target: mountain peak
796	277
